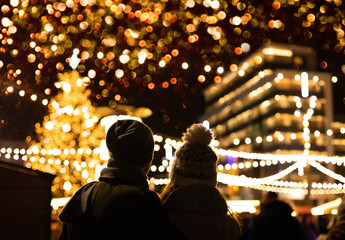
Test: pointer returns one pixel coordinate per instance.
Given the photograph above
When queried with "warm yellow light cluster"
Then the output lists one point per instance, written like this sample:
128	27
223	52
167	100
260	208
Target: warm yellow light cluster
326	208
243	205
68	143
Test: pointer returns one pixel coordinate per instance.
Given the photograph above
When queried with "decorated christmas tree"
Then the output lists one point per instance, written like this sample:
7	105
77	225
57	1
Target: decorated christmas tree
68	140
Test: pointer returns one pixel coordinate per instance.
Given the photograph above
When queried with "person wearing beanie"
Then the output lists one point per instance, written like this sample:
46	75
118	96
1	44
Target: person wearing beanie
191	198
120	205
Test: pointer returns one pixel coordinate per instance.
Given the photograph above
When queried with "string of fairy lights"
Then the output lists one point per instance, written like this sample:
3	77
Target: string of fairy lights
262	158
250	160
33	96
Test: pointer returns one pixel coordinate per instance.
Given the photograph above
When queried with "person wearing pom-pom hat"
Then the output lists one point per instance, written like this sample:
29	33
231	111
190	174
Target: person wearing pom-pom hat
191	198
120	205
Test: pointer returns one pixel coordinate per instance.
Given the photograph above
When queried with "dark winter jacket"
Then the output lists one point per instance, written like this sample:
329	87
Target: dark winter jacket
275	222
200	212
119	206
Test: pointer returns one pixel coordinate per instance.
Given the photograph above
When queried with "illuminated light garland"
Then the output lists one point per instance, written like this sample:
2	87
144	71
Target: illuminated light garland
327	159
326	191
14	156
269	159
316	185
260	156
24	154
276	186
279	157
22	93
297	191
267	183
247	181
289	184
274	158
288	187
269	138
303	191
328	172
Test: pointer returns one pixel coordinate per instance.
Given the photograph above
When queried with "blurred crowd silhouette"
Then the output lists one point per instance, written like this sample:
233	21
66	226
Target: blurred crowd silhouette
275	220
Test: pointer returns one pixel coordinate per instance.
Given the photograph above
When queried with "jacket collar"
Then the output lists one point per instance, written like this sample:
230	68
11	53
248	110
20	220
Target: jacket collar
120	170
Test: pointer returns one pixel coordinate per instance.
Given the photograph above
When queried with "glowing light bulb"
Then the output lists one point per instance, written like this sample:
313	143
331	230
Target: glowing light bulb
49	125
185	65
207	68
66	127
67	186
74	60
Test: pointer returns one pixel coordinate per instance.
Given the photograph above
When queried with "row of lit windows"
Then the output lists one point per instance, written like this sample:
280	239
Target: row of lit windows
277	120
272	54
262	77
231	107
242	138
294	84
278	102
292	121
247	67
285	80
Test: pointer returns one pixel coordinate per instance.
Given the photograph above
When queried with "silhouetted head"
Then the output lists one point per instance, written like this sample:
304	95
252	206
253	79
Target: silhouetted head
195	161
130	141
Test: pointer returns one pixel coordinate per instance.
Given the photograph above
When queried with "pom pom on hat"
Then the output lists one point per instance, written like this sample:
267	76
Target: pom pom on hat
195	162
130	141
199	134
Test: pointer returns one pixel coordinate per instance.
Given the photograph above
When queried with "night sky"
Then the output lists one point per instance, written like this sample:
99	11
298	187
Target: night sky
133	53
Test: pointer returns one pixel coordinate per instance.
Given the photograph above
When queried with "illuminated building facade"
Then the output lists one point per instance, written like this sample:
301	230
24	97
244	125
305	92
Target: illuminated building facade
276	101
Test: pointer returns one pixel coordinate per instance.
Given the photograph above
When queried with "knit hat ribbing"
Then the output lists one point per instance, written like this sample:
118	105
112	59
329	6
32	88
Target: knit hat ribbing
195	162
130	141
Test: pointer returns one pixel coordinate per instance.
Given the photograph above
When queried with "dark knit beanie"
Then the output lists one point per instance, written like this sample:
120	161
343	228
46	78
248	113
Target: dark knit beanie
130	141
195	161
